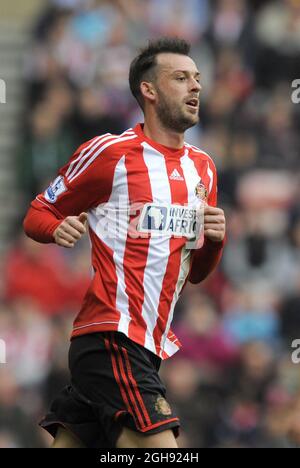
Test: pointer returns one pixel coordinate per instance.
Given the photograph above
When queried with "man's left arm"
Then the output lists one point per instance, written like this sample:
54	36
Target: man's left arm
206	259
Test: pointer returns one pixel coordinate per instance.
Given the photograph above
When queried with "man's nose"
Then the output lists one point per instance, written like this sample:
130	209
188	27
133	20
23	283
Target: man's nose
195	86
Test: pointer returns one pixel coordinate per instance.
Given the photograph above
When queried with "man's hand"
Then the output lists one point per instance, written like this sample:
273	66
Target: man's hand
214	224
70	230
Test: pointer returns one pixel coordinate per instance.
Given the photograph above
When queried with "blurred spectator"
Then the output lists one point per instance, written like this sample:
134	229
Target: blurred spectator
289	315
278	33
232	25
175	18
41	274
252	316
92	116
48	146
204	340
16	429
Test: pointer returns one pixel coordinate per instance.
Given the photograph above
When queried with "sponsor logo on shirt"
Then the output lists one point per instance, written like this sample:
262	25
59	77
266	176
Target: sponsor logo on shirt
55	189
163	219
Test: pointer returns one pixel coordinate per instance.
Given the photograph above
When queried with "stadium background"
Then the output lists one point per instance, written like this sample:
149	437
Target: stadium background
65	65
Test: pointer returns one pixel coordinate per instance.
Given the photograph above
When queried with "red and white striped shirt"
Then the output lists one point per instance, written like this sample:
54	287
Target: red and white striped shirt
137	280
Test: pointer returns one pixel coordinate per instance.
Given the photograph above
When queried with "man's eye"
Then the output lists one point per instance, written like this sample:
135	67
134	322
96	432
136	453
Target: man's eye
181	78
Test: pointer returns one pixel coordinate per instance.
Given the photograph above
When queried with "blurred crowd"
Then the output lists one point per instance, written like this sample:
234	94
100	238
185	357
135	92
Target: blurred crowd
234	383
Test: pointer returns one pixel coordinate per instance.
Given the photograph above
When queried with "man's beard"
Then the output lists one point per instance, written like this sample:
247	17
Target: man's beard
173	118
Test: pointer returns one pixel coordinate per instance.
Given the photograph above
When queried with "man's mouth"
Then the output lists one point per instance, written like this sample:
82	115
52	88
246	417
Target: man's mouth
193	103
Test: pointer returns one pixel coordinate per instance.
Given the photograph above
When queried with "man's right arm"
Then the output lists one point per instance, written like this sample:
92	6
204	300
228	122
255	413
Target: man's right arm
40	225
43	226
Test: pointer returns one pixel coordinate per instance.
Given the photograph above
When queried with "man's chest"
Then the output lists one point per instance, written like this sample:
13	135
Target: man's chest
157	179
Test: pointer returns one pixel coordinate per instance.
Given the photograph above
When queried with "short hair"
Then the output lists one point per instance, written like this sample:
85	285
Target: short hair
143	66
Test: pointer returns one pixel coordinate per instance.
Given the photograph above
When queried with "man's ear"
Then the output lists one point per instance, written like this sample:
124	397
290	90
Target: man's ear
148	91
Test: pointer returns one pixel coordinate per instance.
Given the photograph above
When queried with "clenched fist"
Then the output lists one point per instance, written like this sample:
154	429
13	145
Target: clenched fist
214	223
70	230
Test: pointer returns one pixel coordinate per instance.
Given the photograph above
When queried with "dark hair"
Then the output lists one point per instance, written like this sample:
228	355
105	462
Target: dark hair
143	66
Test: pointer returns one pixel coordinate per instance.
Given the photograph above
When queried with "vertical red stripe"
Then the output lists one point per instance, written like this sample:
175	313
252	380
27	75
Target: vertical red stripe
135	386
165	355
179	194
99	303
167	291
117	377
127	385
136	252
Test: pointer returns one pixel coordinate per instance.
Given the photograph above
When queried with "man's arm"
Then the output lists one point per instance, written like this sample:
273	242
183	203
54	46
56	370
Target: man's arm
43	226
206	259
40	225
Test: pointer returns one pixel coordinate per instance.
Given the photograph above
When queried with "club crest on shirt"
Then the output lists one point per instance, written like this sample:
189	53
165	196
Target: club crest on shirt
162	406
201	191
56	188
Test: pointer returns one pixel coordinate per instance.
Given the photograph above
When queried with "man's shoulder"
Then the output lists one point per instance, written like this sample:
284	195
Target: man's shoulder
199	154
108	141
102	150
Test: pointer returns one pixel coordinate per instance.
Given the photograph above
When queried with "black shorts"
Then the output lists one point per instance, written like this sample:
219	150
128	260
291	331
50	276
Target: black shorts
114	383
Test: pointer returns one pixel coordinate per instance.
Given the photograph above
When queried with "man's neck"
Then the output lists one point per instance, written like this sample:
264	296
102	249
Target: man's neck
163	136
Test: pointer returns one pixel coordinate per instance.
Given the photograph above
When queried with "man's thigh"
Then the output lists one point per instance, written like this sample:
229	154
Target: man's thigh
132	439
65	439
